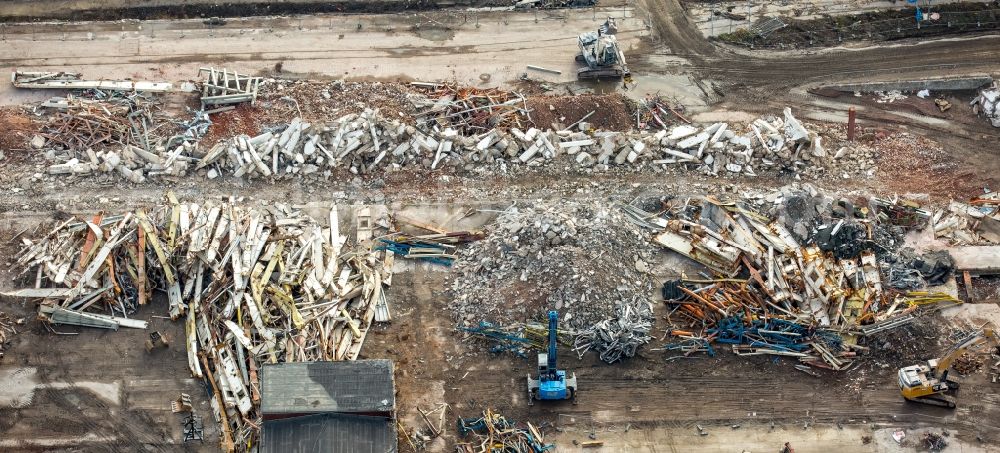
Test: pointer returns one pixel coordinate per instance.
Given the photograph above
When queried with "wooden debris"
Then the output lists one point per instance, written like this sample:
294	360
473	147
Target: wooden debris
253	285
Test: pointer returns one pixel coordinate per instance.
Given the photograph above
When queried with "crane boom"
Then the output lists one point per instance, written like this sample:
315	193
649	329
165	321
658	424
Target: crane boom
553	327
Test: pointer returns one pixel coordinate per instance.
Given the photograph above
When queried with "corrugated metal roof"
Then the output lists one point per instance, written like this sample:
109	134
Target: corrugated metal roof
359	386
329	433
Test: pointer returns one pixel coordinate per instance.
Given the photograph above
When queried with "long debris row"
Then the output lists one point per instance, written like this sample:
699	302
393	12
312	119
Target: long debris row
368	142
253	285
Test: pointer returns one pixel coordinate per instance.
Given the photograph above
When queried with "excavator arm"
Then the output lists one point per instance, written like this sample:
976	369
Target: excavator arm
973	340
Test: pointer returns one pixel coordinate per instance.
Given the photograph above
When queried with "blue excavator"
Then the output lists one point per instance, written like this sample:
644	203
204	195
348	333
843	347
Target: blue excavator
552	383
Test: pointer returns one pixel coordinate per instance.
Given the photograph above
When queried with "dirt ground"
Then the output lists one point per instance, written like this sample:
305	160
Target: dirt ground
19	10
98	389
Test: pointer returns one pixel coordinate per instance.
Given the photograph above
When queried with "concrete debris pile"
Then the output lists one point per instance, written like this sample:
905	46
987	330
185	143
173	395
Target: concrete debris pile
784	280
987	104
369	142
967	364
935	442
585	261
618	338
974	223
888	97
253	285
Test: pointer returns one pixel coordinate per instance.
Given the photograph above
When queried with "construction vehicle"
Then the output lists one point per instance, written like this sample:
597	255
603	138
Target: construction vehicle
552	383
602	54
929	384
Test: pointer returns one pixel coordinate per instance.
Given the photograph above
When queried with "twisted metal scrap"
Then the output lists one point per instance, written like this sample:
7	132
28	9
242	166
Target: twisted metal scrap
620	337
496	434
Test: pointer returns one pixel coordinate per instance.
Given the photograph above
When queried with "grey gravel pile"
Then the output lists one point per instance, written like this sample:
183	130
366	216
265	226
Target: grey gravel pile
583	260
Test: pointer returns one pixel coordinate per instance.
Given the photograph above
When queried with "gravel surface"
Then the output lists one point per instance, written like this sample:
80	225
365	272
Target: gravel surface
582	259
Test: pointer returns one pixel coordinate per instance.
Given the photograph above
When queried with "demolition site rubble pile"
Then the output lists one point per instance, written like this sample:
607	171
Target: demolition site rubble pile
584	260
478	131
499	433
792	273
974	223
252	285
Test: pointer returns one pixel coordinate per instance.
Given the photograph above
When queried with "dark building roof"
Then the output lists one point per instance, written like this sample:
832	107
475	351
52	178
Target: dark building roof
352	387
329	433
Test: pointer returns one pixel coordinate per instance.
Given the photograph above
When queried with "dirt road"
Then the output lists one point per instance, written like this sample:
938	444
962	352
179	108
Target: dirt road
780	70
474	49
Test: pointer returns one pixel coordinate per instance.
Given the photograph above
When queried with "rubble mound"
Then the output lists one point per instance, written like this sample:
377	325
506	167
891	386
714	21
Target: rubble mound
582	260
603	111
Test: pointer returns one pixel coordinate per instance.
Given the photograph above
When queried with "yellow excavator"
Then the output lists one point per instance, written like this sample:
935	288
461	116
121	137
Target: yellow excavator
929	383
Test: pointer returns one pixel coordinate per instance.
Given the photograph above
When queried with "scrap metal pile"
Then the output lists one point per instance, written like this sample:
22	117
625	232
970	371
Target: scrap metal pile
585	261
469	110
97	119
656	112
117	132
793	273
253	285
495	433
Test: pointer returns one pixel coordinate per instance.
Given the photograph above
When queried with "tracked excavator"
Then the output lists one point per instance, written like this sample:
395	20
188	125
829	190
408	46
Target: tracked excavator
929	383
602	54
552	383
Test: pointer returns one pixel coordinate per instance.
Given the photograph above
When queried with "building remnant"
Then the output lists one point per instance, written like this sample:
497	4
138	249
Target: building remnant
976	222
344	406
